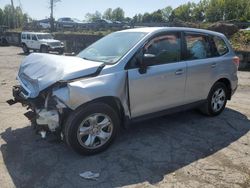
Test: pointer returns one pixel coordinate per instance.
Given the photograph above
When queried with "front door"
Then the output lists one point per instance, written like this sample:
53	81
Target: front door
162	86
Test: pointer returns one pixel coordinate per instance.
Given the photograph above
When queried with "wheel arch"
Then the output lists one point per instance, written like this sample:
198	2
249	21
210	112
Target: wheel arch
227	83
112	101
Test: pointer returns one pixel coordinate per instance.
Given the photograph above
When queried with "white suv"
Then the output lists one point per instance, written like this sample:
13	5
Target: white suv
43	42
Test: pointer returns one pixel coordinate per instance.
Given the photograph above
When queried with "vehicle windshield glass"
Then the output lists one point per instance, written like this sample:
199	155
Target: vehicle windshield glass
111	48
44	36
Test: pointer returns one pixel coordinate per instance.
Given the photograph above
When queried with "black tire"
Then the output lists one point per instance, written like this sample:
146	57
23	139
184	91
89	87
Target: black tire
44	49
61	51
25	49
71	127
207	108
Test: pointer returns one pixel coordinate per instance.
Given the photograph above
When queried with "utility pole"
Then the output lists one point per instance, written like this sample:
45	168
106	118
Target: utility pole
13	14
52	6
51	15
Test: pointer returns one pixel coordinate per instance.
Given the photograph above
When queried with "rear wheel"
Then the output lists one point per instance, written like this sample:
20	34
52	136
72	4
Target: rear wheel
25	49
216	100
92	128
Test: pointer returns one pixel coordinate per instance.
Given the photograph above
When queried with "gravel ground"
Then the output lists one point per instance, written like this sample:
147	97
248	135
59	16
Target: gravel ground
185	149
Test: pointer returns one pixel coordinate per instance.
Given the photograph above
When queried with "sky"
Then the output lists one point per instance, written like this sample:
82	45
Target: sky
38	9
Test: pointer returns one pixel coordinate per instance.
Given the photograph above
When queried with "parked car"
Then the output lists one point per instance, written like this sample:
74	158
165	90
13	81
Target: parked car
126	76
43	42
103	24
69	23
44	24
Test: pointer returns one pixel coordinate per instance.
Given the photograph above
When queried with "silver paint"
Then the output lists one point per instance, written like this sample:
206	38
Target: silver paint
163	86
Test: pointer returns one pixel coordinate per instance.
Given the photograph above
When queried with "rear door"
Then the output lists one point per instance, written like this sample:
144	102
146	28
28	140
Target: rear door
28	41
34	43
201	66
162	85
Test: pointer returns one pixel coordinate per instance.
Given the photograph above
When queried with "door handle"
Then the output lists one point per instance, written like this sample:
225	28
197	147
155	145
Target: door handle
213	65
179	72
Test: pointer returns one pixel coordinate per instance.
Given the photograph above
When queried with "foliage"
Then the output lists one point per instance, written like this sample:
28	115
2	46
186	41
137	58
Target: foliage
241	41
93	17
117	14
213	11
13	18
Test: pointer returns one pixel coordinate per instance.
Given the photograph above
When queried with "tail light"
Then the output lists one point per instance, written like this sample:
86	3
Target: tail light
236	61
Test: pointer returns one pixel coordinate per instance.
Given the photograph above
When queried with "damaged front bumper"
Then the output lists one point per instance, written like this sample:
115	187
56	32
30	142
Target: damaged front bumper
45	112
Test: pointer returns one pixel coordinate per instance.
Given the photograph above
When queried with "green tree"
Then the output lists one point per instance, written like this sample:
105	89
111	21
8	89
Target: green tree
108	14
8	16
93	17
183	12
157	16
118	14
147	17
166	13
198	11
1	17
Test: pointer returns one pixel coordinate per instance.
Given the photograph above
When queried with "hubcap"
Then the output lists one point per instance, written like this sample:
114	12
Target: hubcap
95	130
218	100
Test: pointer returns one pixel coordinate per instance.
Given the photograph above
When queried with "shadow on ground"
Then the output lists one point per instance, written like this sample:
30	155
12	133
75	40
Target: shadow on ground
144	153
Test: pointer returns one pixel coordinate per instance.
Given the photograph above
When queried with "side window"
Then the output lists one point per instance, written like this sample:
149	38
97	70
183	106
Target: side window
166	48
221	47
198	46
23	36
28	36
34	37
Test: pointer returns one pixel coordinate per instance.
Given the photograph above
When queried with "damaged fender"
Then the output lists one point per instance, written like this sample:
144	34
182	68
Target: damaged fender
88	89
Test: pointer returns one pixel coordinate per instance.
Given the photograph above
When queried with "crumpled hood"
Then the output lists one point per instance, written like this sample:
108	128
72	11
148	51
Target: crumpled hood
39	71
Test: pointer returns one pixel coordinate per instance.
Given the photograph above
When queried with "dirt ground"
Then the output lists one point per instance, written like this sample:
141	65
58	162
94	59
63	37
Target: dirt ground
185	149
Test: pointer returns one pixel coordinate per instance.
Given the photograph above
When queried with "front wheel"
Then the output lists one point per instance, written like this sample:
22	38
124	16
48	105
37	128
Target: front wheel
92	128
44	49
216	100
25	49
60	51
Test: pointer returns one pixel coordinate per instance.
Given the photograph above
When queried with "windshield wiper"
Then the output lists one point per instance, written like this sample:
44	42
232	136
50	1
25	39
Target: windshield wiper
94	60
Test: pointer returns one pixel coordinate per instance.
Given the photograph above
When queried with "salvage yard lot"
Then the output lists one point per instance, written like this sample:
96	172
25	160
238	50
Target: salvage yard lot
184	149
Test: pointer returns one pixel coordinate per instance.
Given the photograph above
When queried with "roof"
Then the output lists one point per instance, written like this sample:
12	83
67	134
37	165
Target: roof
35	33
159	29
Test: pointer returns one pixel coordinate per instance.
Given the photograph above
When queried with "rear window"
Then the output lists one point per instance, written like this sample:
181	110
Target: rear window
221	47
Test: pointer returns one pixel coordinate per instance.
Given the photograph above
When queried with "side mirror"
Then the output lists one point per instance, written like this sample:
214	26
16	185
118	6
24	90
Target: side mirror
146	60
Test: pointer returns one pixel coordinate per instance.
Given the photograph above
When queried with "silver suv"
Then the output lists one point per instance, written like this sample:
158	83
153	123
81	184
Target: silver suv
126	76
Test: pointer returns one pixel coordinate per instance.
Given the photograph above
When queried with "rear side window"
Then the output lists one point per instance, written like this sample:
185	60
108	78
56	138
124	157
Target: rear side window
198	46
34	37
221	47
28	36
23	36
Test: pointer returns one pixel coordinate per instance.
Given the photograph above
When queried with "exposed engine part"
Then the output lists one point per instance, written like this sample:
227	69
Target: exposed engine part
48	117
43	134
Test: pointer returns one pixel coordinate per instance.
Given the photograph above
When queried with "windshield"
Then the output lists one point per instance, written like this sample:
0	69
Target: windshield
44	36
111	48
